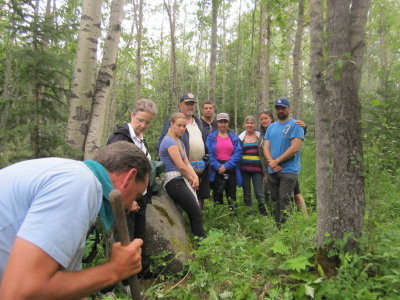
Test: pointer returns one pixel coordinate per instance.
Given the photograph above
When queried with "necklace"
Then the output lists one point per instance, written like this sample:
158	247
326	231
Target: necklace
250	138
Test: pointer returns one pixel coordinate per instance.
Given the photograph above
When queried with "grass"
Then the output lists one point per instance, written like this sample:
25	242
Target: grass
247	257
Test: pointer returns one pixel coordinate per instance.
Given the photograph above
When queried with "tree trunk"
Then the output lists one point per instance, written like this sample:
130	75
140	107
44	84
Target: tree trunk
84	76
224	53
297	61
199	46
138	11
345	32
340	195
213	51
173	95
251	94
104	80
238	54
37	90
383	61
7	74
264	54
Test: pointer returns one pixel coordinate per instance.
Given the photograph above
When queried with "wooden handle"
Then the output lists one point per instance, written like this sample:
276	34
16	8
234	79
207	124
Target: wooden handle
122	229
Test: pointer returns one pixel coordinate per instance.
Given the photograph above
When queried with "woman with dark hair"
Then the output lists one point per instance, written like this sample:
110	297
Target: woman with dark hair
225	153
265	118
181	181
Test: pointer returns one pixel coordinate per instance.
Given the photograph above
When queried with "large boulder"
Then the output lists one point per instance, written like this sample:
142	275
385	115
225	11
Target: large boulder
165	231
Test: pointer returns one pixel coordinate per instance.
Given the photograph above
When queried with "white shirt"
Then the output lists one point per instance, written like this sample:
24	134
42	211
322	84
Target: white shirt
138	141
196	143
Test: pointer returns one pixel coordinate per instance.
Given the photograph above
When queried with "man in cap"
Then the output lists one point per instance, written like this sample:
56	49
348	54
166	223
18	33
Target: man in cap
282	146
194	140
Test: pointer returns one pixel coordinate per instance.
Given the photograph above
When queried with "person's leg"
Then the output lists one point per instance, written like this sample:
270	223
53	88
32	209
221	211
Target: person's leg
273	186
184	197
204	188
247	189
230	189
218	189
286	187
258	186
267	194
299	200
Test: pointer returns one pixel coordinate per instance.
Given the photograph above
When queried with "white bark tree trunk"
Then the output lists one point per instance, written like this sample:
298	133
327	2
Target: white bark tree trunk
84	76
138	7
171	11
104	80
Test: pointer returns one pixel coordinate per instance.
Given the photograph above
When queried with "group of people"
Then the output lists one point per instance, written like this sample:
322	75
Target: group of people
49	204
203	154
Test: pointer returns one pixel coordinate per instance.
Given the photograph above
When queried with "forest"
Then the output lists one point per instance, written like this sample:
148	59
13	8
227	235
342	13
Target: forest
71	72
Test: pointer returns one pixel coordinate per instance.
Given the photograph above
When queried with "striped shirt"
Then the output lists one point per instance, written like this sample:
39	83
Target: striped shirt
251	160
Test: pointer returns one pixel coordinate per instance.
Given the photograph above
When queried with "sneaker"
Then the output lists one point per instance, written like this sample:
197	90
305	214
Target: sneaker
127	289
109	295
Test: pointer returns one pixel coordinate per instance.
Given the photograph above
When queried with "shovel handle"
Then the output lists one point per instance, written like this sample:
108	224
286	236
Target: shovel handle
123	233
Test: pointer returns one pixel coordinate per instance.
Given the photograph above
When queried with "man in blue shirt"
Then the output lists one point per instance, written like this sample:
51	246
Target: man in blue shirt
48	205
282	146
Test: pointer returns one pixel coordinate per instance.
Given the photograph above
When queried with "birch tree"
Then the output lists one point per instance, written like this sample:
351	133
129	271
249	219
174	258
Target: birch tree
84	76
173	94
104	80
138	13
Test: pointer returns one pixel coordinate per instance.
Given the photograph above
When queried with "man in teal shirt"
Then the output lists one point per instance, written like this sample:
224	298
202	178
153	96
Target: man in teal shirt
282	146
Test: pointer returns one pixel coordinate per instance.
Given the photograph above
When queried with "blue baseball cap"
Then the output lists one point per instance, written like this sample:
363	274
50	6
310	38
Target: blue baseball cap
282	102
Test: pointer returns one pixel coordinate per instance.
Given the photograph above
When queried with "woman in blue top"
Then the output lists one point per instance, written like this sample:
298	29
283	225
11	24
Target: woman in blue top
225	153
181	181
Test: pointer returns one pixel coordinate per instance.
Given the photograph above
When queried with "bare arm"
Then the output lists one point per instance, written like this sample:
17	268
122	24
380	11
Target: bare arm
32	273
295	145
183	165
271	162
267	151
195	182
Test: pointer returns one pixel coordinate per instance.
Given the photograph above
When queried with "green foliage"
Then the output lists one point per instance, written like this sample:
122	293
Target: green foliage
247	257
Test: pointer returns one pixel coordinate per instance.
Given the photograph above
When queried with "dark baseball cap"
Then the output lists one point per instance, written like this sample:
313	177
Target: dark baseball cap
188	97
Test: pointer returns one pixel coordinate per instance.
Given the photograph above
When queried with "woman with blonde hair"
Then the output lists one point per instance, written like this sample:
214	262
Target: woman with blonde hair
181	181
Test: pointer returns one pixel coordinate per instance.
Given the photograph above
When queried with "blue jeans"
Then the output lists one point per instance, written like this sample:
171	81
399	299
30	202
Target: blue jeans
258	186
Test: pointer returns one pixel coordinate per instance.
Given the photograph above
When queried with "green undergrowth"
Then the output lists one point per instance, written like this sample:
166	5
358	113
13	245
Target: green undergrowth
247	257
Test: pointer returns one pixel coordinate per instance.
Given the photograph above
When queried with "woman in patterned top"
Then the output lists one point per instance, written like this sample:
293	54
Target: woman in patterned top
251	165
